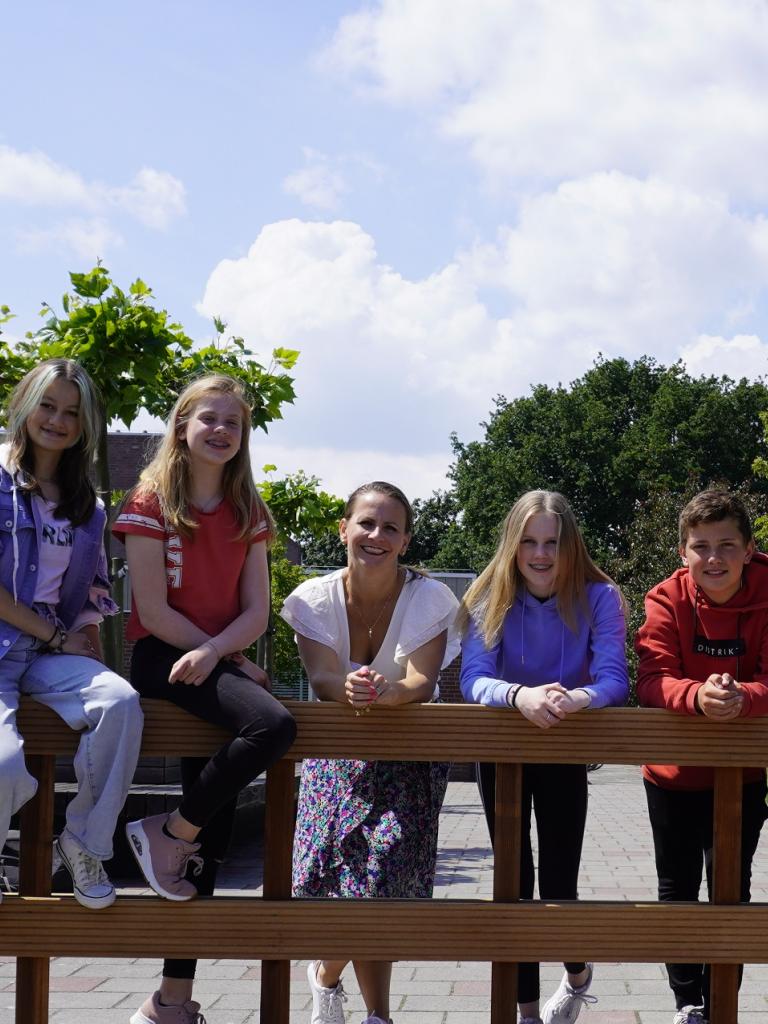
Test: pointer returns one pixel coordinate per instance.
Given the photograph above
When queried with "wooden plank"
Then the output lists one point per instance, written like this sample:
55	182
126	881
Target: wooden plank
724	978
278	844
386	929
459	732
506	879
32	974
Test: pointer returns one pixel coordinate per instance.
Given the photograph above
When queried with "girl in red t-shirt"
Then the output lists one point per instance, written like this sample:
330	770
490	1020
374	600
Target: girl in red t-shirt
195	531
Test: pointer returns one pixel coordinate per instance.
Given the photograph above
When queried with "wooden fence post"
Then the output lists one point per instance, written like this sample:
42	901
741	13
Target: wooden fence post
35	858
278	849
727	812
506	880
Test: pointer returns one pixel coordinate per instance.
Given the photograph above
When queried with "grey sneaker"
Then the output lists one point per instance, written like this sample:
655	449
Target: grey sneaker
326	1002
90	881
566	1004
163	859
690	1015
151	1012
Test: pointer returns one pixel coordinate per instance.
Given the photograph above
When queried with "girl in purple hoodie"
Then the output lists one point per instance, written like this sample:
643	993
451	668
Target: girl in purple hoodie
544	632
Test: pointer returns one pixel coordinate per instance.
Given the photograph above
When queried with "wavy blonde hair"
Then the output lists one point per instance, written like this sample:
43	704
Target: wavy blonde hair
77	497
492	594
169	473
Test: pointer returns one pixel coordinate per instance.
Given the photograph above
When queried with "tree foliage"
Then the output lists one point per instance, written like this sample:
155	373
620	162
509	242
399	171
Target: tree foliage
138	357
303	511
614	437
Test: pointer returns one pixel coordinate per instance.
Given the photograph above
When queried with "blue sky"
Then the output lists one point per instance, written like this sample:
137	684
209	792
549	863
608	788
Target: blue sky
434	202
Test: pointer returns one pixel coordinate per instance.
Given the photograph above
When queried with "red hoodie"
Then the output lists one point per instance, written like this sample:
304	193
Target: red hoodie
685	638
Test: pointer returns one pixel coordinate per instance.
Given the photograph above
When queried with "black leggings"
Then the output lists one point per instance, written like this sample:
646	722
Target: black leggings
558	795
681	821
263	731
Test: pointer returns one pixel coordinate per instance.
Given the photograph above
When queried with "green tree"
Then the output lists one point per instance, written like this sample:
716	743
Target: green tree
303	512
617	434
139	359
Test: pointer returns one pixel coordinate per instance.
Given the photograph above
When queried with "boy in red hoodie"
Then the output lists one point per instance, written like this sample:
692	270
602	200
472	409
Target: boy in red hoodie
703	650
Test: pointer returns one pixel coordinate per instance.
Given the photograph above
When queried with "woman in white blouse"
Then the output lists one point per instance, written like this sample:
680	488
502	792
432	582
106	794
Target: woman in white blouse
373	634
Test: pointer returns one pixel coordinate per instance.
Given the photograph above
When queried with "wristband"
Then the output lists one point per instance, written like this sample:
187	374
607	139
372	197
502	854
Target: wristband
47	643
63	637
512	701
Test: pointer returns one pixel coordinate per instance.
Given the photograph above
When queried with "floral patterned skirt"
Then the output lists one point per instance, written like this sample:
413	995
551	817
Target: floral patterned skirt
367	828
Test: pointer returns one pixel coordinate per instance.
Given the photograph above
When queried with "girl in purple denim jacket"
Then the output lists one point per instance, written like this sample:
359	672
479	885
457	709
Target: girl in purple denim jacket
53	594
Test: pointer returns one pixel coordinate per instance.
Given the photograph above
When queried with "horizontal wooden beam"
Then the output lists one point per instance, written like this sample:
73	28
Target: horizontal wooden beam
450	732
248	927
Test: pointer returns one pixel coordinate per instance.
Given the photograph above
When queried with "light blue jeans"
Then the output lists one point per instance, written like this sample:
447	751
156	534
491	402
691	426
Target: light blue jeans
89	697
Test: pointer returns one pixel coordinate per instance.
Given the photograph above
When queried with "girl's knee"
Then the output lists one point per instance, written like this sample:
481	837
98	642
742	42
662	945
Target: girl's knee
14	776
120	698
283	731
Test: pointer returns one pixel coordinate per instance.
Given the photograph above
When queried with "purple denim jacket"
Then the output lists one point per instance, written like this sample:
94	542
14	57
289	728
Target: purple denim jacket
85	581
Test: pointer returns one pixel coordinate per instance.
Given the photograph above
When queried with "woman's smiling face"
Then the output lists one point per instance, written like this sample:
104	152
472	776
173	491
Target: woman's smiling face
375	533
537	554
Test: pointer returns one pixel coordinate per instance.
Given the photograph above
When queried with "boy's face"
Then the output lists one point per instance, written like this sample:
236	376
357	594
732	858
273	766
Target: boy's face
716	554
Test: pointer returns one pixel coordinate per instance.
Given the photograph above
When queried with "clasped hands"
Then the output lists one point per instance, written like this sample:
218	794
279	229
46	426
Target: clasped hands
365	686
549	704
720	697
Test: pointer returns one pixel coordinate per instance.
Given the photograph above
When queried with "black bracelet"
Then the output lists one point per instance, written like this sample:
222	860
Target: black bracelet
513	703
53	634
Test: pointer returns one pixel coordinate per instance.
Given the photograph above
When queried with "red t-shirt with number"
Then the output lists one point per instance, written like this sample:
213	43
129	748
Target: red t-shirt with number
202	571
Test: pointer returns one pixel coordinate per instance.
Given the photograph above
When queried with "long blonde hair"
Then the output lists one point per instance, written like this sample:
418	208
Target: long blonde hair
492	594
168	475
77	497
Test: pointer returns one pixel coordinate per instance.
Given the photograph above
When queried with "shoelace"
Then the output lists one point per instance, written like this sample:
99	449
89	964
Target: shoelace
88	870
571	1000
184	859
331	1000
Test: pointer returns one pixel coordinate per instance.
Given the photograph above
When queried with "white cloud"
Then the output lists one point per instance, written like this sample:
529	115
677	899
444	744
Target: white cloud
341	470
744	355
606	264
153	197
318	184
87	239
34	179
541	90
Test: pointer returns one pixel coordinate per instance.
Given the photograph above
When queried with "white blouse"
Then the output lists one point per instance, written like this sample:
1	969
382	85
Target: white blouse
425	608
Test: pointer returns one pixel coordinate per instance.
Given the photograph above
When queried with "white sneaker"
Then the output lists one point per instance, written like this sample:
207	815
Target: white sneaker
92	886
326	1002
690	1015
565	1005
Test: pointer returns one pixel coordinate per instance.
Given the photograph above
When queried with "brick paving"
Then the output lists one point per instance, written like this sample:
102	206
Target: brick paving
617	864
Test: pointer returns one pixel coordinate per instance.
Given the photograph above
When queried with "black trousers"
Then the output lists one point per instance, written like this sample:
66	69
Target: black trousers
681	821
557	793
262	728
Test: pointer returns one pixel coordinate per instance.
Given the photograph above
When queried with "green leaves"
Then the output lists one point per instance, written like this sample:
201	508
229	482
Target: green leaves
301	509
137	356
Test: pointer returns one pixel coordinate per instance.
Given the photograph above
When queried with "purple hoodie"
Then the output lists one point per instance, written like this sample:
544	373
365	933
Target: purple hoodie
537	647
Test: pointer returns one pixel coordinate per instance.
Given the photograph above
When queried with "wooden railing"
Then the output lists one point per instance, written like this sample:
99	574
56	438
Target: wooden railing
35	925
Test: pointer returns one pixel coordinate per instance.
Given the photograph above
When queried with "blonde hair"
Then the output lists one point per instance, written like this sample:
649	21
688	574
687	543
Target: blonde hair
77	497
168	475
492	594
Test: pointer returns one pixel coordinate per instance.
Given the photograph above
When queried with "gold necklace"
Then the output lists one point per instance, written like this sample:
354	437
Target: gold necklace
370	628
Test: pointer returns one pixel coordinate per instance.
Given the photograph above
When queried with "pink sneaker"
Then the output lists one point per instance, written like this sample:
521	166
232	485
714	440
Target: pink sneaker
151	1012
163	860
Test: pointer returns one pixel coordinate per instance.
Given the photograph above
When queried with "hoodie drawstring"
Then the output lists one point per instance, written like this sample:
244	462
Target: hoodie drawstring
15	539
